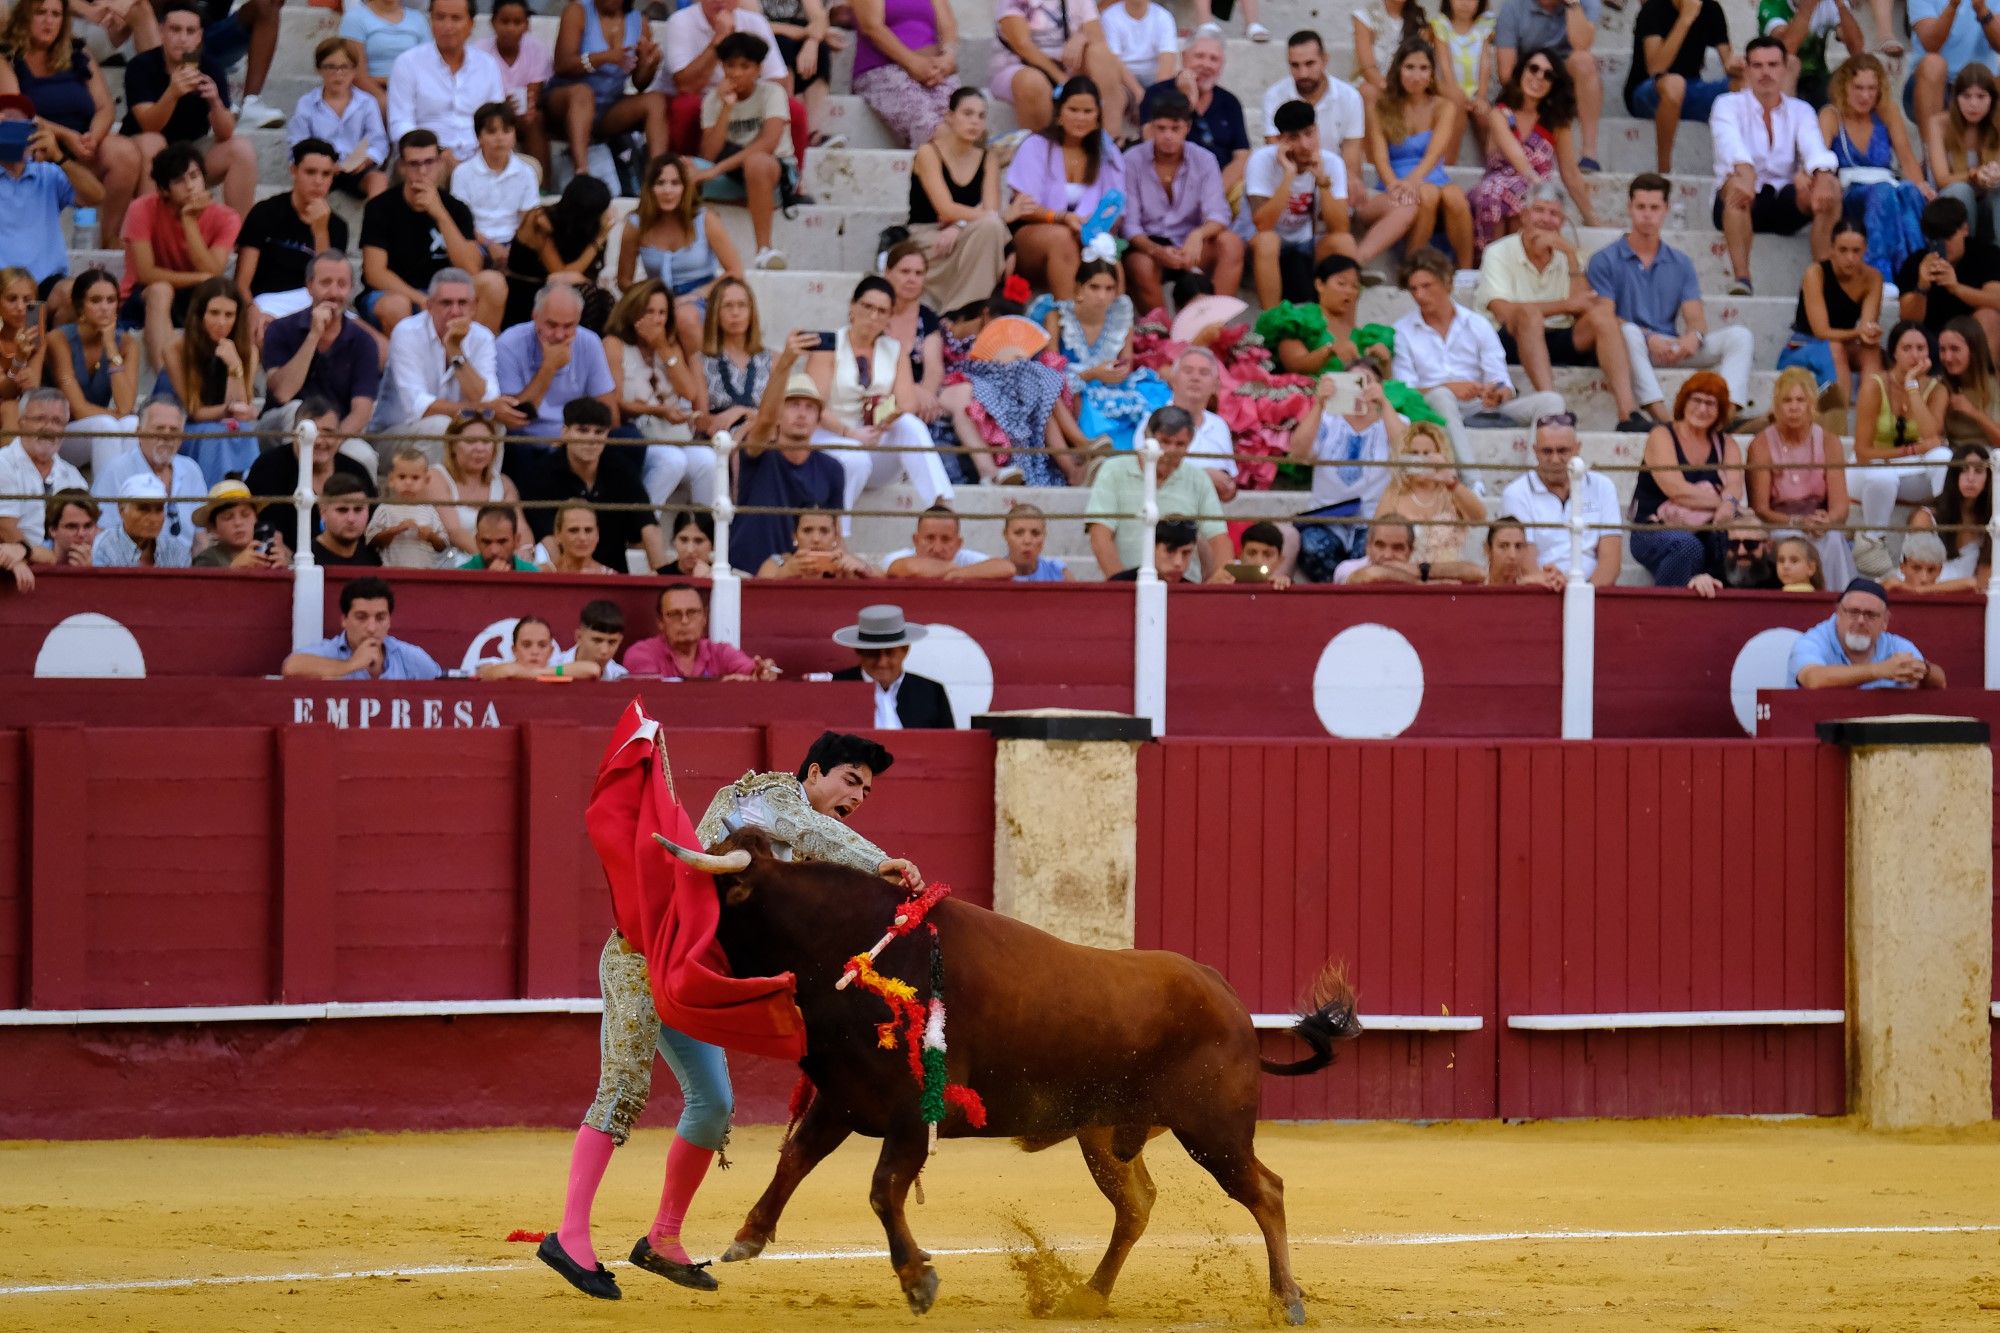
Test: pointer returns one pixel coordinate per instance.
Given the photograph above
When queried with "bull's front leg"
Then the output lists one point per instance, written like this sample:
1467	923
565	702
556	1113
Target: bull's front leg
819	1132
903	1153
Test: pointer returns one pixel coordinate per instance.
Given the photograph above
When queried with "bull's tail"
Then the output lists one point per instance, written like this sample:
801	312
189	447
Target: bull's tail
1326	1016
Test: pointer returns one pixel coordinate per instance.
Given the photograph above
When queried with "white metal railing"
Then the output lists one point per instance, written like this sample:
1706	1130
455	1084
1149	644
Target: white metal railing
1579	622
725	593
1149	606
308	579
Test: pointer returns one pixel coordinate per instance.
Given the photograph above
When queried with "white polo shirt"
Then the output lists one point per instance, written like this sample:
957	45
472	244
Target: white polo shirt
19	476
1530	500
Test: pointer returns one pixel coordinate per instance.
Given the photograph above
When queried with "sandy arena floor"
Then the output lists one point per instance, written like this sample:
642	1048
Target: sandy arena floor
1658	1225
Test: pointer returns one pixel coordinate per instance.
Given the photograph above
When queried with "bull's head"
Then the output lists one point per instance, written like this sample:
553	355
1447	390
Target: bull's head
729	863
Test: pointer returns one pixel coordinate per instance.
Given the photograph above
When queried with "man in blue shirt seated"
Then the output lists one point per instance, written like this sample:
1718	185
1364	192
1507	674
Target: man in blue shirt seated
1853	649
363	650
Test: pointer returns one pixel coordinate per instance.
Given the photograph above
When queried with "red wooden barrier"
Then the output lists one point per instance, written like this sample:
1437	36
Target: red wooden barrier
1530	878
1268	860
1664	656
1240	662
249	865
1671	877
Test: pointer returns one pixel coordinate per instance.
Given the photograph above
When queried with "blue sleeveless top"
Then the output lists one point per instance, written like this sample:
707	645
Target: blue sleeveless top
609	82
685	269
95	385
1405	155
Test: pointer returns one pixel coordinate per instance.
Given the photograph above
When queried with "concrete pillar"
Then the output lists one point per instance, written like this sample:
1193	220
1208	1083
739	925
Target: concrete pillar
1065	825
1919	920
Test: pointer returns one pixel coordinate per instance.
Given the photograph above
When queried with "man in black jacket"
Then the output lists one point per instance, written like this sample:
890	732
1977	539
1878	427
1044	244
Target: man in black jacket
881	639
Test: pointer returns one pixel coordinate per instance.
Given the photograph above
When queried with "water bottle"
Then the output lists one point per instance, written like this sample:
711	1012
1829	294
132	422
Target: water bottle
83	228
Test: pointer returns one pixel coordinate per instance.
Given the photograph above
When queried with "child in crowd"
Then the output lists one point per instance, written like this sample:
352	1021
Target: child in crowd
498	186
1143	37
533	645
348	119
405	528
694	544
1263	545
744	122
1027	532
526	65
600	631
1798	566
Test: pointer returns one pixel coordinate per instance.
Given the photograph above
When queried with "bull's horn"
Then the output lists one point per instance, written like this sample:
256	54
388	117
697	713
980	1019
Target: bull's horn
728	864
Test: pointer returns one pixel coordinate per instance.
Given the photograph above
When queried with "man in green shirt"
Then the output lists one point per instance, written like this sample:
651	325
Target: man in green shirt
494	533
1804	32
1122	542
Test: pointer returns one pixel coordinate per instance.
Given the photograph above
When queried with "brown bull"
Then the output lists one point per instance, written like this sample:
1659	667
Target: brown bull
1109	1047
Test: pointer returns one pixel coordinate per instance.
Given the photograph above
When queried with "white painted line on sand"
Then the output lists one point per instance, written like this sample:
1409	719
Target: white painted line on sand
1361	1241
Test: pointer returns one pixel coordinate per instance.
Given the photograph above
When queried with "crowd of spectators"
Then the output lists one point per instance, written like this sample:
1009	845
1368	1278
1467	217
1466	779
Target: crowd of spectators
492	395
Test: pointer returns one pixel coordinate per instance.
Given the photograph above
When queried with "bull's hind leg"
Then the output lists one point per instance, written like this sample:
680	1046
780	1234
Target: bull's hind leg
1226	1153
1113	1156
819	1132
903	1153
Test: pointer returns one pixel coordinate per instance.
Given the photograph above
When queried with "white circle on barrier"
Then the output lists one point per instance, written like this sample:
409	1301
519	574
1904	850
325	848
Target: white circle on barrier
1760	665
1369	683
954	659
495	643
91	645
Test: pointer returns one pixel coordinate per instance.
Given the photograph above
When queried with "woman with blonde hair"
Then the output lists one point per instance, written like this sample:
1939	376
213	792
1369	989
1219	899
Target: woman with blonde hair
1693	486
678	241
1796	479
1963	142
211	364
1882	182
735	362
470	477
22	349
1410	129
1424	488
659	392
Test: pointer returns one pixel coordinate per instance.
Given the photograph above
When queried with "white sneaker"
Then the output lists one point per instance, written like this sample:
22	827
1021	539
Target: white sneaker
1209	29
257	114
1257	32
769	257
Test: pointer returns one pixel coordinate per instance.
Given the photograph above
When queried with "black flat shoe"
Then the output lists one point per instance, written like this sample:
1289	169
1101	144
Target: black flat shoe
591	1282
686	1275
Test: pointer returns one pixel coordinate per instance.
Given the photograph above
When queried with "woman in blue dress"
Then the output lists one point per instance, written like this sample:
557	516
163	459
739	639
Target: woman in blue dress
1093	332
1882	183
1409	129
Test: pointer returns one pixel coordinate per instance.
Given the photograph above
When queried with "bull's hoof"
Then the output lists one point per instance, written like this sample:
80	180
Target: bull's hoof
922	1293
1083	1301
740	1249
1295	1312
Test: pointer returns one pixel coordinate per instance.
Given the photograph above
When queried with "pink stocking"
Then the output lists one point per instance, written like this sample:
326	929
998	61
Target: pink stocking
587	1161
686	1166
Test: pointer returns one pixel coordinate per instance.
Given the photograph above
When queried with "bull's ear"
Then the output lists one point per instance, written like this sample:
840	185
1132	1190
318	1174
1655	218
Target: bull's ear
737	893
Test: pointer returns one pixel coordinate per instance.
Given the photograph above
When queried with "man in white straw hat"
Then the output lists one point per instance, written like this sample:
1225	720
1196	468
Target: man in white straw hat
138	540
881	639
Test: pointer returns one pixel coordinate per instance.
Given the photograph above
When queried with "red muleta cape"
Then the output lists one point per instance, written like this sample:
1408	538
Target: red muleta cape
668	911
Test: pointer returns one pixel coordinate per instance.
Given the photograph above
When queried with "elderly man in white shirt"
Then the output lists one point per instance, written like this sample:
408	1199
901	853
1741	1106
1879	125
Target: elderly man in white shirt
1773	172
441	363
1195	377
1453	357
1543	501
30	467
438	85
